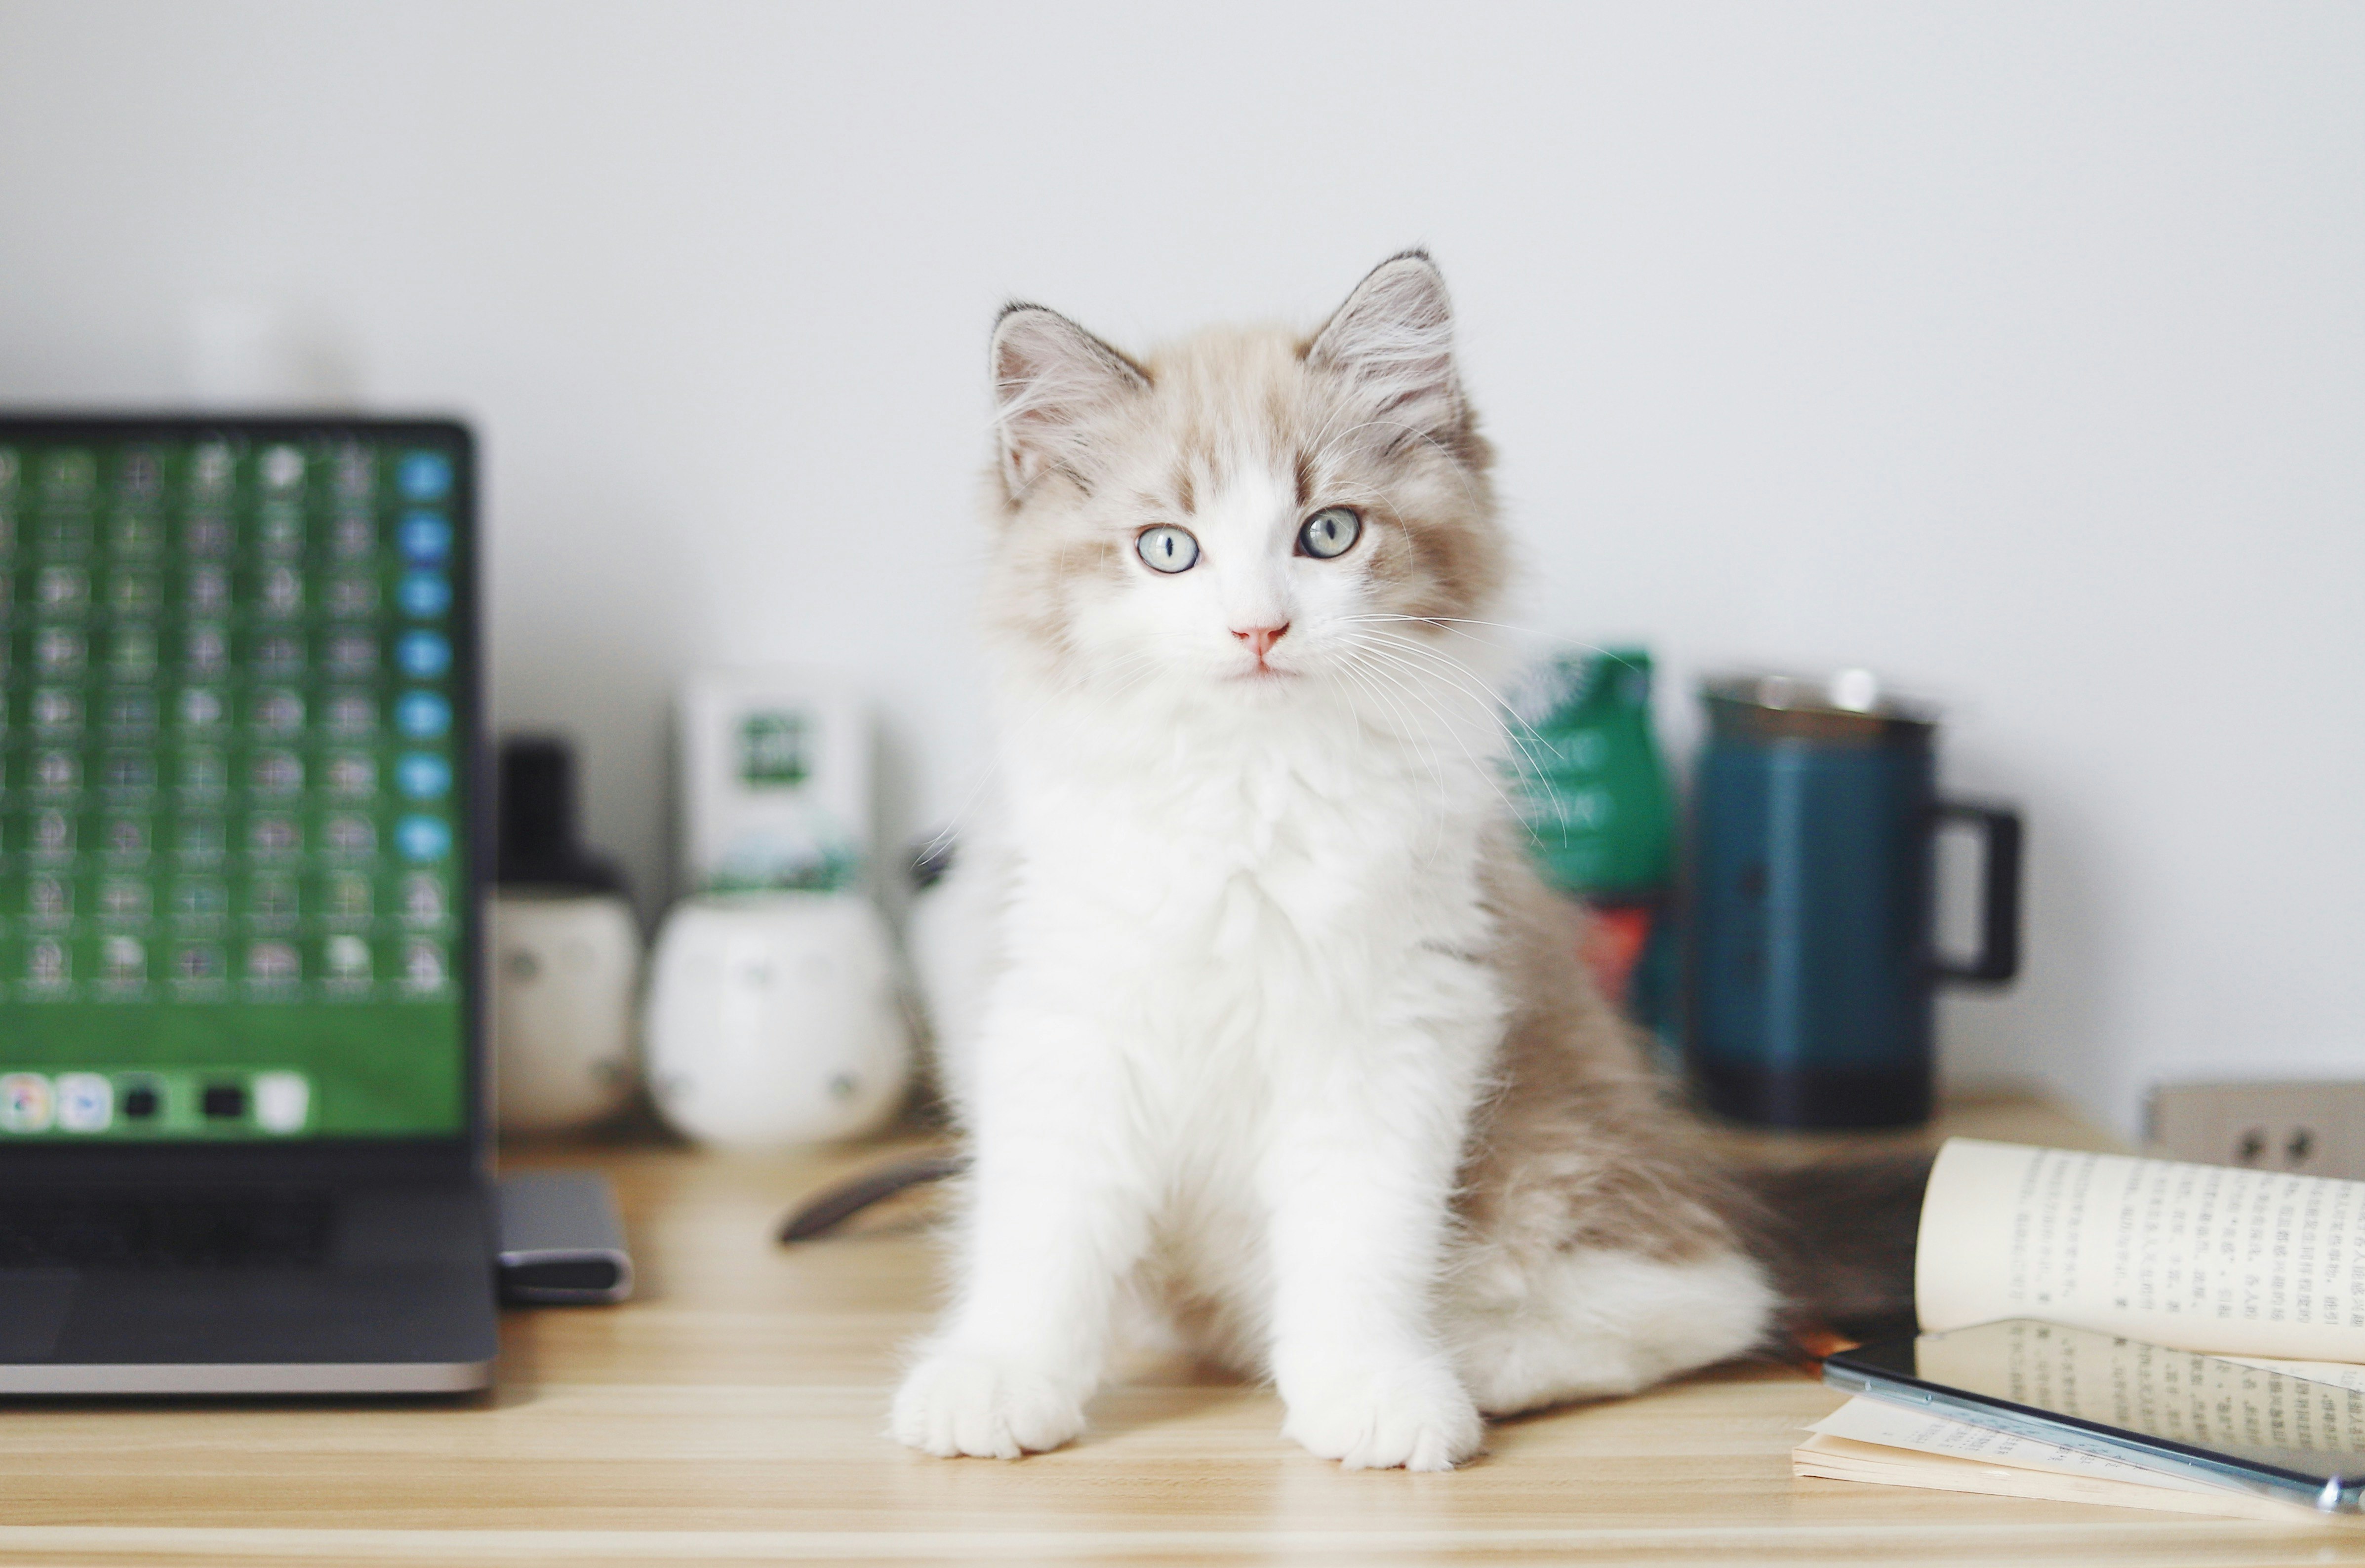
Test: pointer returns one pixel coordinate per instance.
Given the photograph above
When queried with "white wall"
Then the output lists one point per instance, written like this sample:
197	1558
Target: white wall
2018	351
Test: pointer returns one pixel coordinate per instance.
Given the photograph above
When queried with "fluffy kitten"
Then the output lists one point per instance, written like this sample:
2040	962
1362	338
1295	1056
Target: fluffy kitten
1284	1036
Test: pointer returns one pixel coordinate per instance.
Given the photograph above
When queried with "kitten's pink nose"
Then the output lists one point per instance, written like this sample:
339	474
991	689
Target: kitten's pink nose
1261	639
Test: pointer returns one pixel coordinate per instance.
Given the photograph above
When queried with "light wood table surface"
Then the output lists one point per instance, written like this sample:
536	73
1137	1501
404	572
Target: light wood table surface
734	1412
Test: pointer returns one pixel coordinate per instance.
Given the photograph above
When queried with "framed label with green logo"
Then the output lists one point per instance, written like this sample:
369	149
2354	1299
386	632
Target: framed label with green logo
776	776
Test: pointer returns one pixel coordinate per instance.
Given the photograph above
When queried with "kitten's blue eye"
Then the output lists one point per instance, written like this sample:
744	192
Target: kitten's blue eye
1168	550
1332	532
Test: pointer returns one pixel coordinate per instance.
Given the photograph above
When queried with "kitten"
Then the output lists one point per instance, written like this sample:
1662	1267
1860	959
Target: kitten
1284	1036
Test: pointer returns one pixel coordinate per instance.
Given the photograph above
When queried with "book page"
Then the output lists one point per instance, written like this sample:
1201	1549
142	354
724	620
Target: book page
2339	1374
2208	1402
2193	1257
1845	1459
1892	1426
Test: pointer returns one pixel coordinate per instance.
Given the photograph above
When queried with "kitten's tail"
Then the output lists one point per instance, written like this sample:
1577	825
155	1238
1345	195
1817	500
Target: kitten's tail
1838	1238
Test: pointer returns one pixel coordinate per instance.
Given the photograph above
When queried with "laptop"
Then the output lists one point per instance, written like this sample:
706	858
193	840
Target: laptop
242	1141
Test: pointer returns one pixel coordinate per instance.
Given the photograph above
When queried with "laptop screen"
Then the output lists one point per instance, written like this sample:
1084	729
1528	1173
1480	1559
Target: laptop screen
234	784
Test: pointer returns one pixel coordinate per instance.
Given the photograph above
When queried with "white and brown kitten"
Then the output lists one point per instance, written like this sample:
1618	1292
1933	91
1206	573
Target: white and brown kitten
1282	1035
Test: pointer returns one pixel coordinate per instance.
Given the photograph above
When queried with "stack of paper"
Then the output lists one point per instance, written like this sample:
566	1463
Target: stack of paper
1890	1444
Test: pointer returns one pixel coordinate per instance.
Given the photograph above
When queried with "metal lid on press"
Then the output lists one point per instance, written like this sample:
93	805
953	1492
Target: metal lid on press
1849	707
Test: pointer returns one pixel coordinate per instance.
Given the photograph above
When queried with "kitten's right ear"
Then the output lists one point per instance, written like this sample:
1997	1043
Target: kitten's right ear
1392	344
1050	377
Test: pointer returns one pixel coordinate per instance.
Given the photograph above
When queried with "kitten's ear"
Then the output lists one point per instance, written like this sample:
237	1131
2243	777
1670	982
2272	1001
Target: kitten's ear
1393	343
1051	376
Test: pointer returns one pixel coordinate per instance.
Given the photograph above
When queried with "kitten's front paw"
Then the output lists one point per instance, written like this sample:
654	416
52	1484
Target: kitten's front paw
961	1402
1416	1415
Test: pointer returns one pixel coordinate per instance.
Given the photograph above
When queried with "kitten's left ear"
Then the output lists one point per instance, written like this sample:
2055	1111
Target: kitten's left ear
1050	377
1393	343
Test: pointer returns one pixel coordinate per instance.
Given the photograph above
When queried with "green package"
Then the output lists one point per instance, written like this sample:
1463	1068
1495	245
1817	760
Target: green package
1593	792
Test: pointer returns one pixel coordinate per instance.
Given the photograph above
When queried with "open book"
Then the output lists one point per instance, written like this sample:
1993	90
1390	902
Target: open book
2263	1267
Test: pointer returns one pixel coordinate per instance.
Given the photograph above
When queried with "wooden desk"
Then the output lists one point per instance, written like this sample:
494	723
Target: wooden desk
734	1412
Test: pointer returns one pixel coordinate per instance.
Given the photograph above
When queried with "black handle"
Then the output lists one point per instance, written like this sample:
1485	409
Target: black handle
1999	955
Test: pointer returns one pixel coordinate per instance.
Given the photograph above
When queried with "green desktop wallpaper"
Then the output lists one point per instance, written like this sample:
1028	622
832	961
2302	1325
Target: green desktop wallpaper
232	795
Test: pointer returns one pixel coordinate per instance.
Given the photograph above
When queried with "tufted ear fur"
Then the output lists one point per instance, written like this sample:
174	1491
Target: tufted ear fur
1392	343
1051	379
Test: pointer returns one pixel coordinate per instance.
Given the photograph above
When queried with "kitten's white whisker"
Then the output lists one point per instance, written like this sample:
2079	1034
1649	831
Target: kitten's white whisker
1533	767
1411	645
1410	687
1455	622
1405	731
1529	760
1465	680
1413	733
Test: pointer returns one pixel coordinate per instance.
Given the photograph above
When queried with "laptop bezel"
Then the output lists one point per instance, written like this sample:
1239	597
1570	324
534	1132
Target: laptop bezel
322	1161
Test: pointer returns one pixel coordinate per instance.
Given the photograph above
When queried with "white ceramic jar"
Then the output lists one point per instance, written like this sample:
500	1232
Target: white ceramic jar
773	1019
565	967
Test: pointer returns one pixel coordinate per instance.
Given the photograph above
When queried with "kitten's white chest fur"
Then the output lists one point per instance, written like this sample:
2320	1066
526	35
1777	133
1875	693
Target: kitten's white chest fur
1243	917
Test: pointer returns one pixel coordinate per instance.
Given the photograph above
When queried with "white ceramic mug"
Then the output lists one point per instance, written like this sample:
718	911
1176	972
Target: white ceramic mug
564	966
773	1019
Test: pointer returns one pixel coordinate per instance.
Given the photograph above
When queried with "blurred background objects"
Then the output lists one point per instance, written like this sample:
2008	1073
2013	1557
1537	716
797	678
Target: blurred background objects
2012	351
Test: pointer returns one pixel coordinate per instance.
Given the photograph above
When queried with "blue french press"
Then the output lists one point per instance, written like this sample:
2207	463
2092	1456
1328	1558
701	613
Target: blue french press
1811	974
